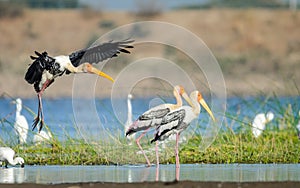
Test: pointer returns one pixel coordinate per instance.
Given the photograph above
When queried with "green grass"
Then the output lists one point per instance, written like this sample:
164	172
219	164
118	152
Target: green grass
279	143
271	147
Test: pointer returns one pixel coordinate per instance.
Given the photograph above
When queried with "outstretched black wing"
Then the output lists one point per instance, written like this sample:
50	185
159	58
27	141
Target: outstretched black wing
100	52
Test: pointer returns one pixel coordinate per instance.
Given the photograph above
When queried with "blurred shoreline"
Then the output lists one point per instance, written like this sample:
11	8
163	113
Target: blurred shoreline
257	49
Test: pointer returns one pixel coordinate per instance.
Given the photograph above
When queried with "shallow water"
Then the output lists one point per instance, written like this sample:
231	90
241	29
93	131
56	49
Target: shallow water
130	173
60	116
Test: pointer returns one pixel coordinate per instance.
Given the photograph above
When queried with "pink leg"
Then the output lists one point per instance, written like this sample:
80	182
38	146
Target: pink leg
157	161
138	143
177	157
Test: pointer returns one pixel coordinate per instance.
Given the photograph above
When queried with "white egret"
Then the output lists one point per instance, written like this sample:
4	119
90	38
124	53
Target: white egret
129	118
298	125
7	156
42	136
259	123
21	125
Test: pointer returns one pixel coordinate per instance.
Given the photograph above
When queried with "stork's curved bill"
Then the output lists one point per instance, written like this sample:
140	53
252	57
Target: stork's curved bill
93	70
205	106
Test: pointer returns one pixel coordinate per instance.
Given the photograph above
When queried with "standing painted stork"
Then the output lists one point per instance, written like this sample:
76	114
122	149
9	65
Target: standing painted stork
154	116
45	69
21	126
259	123
7	156
178	120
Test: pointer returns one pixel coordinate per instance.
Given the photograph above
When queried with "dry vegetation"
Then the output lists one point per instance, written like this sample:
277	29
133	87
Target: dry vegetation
258	50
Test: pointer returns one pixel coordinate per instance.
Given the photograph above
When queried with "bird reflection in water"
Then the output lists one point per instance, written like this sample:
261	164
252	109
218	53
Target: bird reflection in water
12	175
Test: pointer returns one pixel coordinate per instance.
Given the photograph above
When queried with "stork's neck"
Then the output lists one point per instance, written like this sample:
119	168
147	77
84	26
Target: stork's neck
18	109
178	99
196	106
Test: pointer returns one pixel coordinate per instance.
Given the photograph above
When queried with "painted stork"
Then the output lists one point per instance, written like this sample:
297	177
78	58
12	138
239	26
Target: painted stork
178	120
7	156
259	123
154	116
44	69
21	126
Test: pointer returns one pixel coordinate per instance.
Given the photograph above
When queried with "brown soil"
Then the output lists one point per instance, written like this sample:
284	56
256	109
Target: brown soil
258	50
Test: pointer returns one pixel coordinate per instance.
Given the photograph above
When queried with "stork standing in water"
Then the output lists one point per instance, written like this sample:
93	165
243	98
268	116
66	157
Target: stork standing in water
7	156
154	116
45	69
259	123
21	126
178	120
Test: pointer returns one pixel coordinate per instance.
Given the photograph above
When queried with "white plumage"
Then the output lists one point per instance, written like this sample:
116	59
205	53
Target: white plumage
259	123
298	125
129	118
7	156
42	136
21	125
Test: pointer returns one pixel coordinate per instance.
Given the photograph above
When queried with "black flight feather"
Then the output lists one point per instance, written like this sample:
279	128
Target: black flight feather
100	52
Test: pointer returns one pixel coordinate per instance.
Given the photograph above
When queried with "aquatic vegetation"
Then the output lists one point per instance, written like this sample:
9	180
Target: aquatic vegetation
235	142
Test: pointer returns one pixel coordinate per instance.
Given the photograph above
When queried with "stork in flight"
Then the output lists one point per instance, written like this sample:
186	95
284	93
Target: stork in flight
154	116
44	69
178	120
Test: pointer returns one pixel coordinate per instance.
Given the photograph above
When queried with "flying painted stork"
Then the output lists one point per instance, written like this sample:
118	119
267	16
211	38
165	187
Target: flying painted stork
44	69
178	120
154	116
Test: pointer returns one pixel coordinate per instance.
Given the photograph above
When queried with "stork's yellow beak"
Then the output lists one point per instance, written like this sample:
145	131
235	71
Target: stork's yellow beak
100	73
205	106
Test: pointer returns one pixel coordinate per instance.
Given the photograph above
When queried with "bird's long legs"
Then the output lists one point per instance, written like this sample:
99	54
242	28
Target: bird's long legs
40	115
139	145
177	157
157	161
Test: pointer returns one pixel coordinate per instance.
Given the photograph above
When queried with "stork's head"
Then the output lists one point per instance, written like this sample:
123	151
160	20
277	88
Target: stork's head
198	96
180	89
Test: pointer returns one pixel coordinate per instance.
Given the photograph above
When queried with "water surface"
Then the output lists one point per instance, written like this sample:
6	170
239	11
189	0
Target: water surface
129	173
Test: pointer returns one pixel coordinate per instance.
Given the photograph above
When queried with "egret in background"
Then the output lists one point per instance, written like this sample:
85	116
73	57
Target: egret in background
7	156
44	69
42	136
129	118
21	126
154	116
178	120
298	125
259	123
